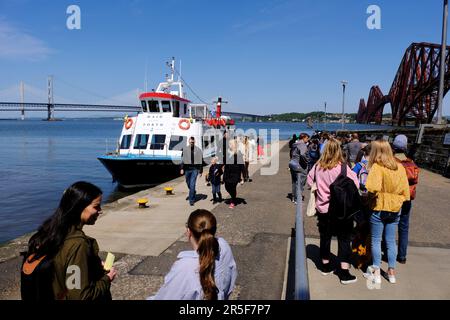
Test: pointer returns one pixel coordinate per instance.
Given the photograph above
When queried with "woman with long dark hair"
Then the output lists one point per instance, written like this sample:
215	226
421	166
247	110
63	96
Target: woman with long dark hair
77	271
206	273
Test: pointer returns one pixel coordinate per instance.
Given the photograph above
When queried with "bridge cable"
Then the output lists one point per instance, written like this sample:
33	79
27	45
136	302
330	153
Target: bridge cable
88	91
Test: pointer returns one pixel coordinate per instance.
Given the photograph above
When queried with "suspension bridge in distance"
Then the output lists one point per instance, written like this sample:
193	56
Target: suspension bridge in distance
50	107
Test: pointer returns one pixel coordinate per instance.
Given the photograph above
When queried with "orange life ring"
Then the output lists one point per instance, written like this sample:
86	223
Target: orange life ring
186	126
128	123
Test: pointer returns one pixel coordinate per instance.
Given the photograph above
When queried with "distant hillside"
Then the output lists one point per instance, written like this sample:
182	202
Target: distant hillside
316	116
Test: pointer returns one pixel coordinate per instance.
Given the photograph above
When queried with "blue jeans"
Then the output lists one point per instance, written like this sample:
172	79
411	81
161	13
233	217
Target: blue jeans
403	228
384	221
294	183
191	179
215	188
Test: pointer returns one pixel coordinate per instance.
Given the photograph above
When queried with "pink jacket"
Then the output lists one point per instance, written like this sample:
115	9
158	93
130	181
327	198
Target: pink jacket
324	178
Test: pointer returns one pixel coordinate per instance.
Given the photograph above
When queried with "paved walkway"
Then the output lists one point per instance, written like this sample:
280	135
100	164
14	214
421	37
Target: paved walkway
127	229
426	275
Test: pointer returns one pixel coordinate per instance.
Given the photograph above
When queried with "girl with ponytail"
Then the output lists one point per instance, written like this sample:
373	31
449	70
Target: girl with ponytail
206	273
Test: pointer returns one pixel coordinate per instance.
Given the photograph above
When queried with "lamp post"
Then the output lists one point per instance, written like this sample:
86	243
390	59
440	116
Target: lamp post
442	67
325	126
344	83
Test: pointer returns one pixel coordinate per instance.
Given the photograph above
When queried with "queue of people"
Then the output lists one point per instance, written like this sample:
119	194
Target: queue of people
386	179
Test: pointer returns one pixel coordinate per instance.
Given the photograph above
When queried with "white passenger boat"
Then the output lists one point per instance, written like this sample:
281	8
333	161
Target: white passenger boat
151	142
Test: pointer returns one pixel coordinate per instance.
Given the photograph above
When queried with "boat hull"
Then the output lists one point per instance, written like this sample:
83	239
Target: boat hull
140	172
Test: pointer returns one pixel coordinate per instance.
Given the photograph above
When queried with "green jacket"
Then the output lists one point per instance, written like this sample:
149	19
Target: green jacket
79	274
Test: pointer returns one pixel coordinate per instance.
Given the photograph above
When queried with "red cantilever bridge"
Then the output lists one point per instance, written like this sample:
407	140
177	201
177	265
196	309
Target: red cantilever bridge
414	92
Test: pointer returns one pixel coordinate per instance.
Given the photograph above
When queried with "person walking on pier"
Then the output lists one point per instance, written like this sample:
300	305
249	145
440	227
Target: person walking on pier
352	149
412	172
323	141
77	271
291	144
208	272
300	156
191	167
214	177
387	184
324	173
233	172
313	152
260	147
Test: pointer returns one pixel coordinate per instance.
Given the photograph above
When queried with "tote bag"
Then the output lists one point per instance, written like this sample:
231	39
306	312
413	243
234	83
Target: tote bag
311	208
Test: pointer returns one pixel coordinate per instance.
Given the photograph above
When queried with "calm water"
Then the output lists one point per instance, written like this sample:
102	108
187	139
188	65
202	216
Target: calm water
40	159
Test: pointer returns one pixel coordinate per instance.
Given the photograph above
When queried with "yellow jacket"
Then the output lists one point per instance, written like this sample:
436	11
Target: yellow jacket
390	187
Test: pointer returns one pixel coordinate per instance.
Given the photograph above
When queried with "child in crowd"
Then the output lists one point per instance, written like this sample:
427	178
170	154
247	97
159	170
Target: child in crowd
214	175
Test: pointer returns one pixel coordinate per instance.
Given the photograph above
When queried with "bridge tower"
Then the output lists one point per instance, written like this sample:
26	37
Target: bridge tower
50	105
22	100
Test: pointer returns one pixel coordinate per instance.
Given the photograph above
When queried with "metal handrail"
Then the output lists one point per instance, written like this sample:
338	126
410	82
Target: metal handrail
301	267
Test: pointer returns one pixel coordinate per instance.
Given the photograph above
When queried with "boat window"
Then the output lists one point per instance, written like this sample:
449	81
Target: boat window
126	141
153	105
176	109
144	106
205	142
185	108
141	141
212	139
165	106
158	142
177	142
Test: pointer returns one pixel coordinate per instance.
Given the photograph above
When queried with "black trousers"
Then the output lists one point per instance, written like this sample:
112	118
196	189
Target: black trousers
246	175
231	189
329	227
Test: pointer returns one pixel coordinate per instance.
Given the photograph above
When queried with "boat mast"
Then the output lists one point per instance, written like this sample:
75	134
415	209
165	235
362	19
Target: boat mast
146	75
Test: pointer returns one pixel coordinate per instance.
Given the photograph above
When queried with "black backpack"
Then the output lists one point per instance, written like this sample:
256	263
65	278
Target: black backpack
345	200
36	278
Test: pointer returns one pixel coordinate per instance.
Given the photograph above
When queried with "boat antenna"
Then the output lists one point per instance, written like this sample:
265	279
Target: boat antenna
146	74
179	74
172	68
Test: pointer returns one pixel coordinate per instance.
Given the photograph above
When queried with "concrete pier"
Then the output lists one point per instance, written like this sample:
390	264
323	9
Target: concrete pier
259	229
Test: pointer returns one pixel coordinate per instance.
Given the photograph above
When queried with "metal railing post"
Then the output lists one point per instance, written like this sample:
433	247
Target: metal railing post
301	269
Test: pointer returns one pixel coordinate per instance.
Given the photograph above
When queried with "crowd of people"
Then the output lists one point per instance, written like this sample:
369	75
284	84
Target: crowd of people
385	180
62	262
230	167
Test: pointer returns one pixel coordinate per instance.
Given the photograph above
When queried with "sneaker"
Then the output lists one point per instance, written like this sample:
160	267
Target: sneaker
192	203
326	269
345	277
231	206
401	260
371	276
391	278
369	273
373	281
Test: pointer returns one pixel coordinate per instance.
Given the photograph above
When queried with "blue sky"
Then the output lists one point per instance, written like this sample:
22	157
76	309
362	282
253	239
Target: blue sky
267	56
